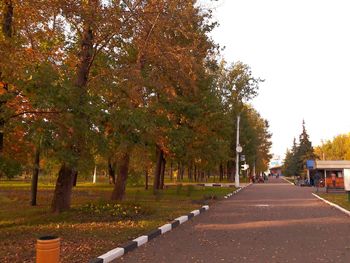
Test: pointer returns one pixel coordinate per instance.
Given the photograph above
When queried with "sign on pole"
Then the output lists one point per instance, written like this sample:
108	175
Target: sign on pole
245	167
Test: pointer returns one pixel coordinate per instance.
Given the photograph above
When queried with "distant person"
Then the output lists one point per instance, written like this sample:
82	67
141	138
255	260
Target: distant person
334	179
317	178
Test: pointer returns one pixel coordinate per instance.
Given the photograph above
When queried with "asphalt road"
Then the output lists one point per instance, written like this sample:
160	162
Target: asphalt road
272	222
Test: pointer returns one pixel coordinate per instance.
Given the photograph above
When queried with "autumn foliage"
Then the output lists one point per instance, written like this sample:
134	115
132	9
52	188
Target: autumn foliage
121	81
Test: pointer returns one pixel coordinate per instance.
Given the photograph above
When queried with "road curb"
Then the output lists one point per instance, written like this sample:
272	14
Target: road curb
237	191
141	240
288	181
332	204
216	185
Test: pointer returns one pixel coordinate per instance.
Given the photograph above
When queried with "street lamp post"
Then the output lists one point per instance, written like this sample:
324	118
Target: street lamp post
238	150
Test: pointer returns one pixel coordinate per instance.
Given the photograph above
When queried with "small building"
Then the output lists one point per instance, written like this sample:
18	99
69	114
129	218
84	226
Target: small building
275	165
277	170
328	169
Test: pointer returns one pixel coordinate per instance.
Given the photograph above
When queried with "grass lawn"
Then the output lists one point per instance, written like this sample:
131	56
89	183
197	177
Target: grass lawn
337	198
93	225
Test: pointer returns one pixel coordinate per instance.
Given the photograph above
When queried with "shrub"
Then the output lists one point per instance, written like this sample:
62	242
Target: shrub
178	189
9	168
190	189
135	179
158	194
117	210
210	197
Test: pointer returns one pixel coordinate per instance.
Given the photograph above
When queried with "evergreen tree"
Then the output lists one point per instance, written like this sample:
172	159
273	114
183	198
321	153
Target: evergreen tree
305	151
290	166
295	160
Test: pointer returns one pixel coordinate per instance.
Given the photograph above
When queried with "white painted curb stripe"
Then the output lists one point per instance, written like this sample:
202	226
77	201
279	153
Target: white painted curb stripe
288	181
165	228
141	240
113	254
195	212
182	219
332	204
236	191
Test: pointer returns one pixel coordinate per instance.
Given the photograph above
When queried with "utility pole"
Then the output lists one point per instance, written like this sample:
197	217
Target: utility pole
238	150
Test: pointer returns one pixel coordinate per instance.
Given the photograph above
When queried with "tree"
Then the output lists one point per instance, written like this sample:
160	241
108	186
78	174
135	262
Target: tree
237	86
290	164
6	24
255	139
336	149
305	151
128	82
295	160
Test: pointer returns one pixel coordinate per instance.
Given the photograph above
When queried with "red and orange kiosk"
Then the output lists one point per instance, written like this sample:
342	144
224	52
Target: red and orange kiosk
331	171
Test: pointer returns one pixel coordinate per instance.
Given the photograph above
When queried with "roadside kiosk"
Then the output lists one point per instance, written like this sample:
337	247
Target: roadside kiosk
332	171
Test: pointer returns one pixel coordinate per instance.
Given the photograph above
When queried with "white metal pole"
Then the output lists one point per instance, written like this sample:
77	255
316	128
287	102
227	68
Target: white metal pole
254	169
237	154
94	178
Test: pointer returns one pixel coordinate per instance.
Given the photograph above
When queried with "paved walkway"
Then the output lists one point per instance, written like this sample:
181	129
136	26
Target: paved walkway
273	222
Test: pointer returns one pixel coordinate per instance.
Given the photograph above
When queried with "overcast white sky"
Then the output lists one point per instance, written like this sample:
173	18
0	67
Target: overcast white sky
302	49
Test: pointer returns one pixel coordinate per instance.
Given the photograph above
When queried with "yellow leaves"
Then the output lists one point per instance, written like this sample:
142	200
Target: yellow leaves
170	91
336	149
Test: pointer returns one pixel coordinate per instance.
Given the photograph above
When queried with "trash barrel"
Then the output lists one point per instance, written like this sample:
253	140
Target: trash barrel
48	249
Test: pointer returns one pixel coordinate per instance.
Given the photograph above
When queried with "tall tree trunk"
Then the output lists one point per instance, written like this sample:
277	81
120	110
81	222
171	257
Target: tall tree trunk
75	178
189	171
68	175
63	190
146	179
7	18
182	171
35	176
158	169
2	126
122	176
162	174
230	170
171	171
7	30
208	176
195	173
221	172
111	171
